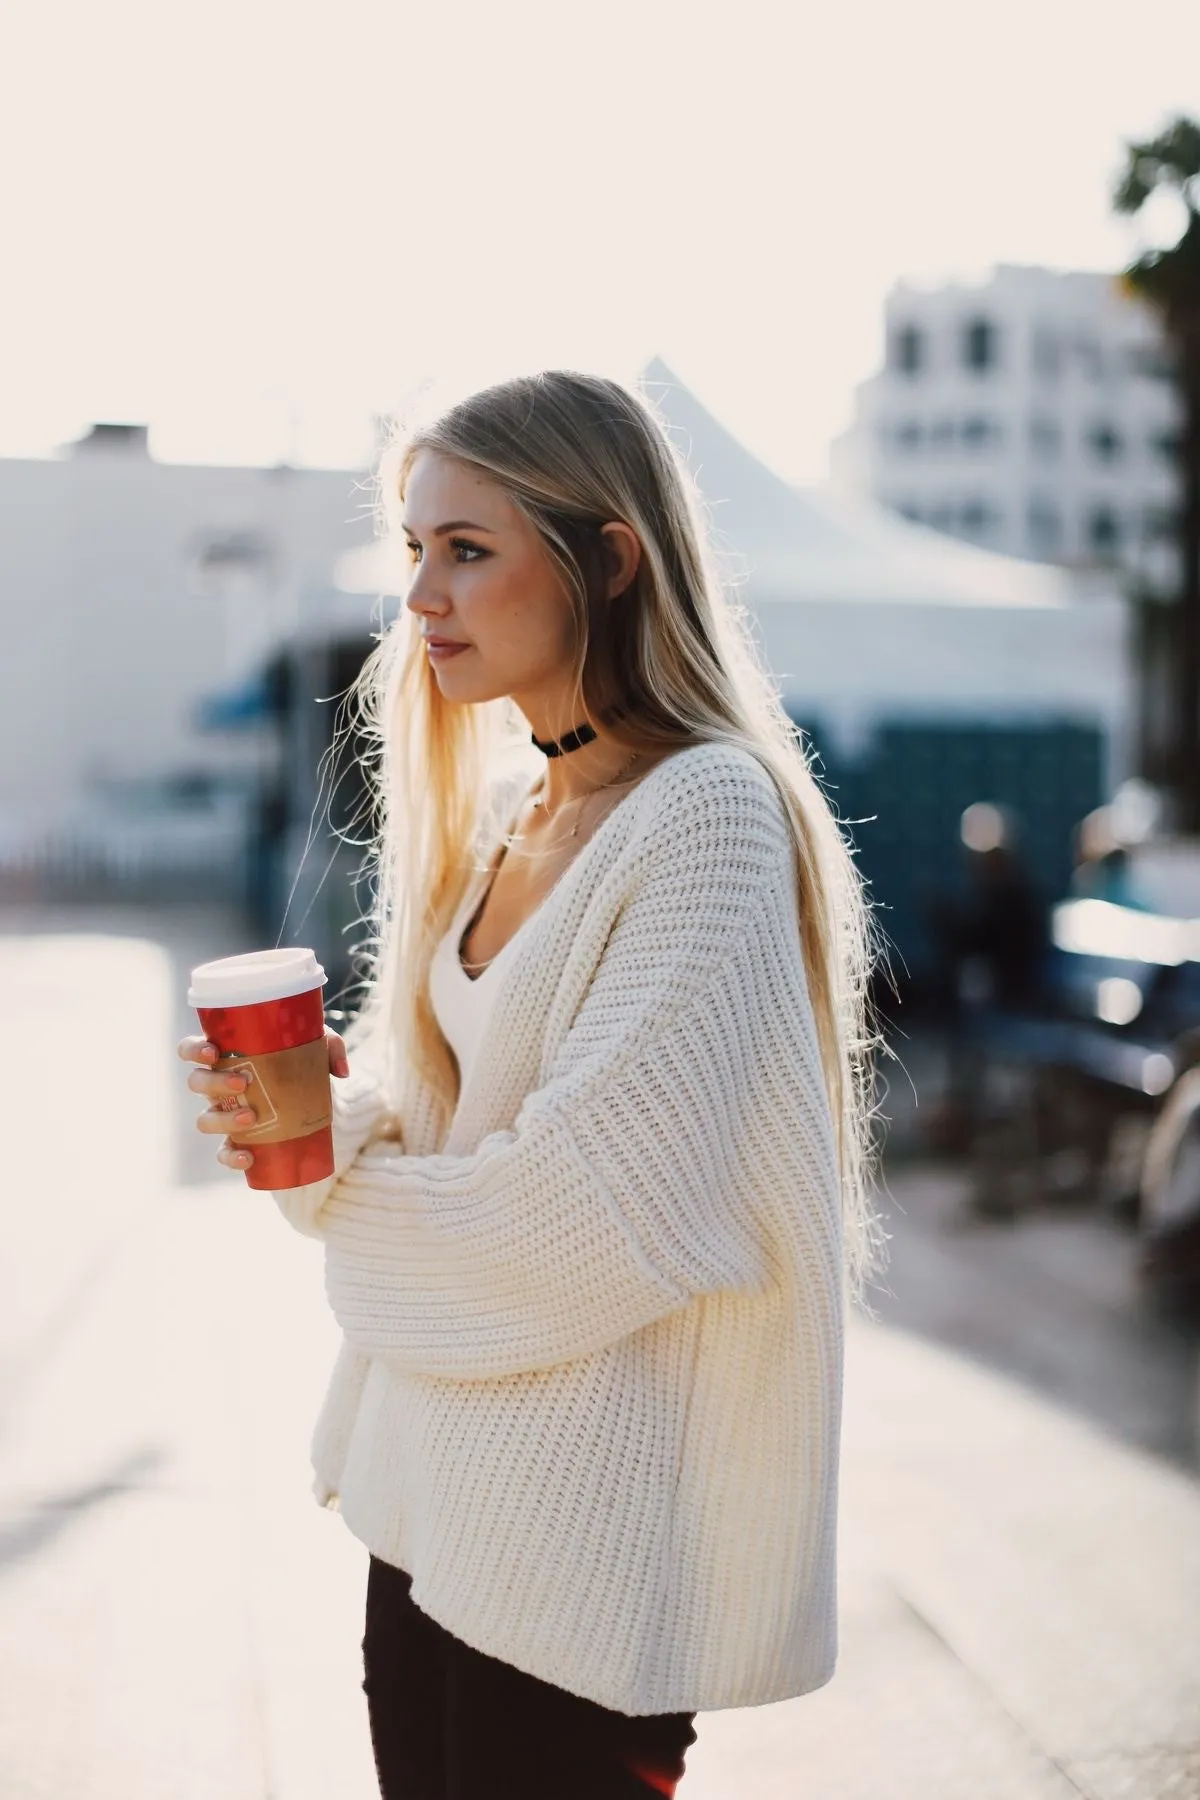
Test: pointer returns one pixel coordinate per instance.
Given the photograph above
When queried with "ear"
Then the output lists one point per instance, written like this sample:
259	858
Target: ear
622	556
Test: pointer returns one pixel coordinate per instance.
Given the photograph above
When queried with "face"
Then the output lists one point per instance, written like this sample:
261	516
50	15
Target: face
482	576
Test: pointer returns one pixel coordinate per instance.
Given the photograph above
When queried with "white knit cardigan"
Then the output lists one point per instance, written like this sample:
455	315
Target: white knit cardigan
590	1390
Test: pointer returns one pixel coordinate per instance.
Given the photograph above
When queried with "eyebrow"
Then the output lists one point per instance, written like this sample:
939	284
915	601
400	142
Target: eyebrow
451	525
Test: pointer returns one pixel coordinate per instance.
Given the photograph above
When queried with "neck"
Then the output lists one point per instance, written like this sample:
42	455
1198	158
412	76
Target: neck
577	773
579	770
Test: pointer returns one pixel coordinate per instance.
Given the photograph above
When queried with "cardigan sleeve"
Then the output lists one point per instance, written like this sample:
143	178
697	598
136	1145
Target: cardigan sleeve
357	1107
628	1183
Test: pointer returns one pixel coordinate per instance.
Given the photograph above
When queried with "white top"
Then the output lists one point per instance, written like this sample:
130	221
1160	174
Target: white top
591	1385
464	1003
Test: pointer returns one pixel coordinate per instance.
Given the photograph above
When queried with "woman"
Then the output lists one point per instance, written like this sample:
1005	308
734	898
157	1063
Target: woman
601	1163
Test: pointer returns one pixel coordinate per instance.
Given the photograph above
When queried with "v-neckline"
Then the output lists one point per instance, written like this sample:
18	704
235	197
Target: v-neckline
478	895
464	926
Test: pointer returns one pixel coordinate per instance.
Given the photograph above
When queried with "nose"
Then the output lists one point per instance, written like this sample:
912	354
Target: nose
420	597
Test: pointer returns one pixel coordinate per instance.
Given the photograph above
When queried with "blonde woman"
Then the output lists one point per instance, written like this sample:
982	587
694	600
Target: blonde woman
601	1139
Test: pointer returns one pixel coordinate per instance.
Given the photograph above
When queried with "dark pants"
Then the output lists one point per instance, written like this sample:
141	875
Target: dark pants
448	1723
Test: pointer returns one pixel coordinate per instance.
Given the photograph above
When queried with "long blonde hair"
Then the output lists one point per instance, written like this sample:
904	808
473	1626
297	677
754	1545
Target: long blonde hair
573	451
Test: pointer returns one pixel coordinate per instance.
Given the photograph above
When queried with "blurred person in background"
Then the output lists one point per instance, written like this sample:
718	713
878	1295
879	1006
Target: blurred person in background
992	942
997	935
602	1162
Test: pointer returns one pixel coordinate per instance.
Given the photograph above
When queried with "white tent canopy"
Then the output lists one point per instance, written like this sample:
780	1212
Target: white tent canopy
861	614
822	544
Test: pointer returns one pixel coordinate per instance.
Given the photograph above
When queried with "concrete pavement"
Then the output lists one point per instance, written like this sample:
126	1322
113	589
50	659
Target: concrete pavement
1020	1593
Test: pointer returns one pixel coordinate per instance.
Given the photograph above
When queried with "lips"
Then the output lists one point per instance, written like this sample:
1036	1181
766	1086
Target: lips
440	650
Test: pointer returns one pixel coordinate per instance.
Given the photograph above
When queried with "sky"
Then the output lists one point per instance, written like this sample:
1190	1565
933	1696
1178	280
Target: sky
256	226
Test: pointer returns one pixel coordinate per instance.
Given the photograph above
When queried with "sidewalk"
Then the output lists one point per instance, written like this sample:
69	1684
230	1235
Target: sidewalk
1020	1596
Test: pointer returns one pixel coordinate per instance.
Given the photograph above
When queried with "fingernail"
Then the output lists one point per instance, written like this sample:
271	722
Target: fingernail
245	1118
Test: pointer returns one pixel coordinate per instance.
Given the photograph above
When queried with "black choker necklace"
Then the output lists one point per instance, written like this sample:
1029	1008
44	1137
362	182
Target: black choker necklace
556	746
583	734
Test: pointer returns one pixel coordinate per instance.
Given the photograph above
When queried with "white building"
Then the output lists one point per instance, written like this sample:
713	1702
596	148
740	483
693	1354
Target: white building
1034	414
131	591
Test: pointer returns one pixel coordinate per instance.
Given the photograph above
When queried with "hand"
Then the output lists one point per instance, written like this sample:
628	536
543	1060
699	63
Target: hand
220	1086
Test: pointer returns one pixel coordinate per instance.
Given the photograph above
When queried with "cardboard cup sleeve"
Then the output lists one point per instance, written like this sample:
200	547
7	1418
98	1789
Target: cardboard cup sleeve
289	1091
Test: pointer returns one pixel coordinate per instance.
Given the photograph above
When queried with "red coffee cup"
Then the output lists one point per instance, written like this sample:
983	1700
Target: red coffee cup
264	1013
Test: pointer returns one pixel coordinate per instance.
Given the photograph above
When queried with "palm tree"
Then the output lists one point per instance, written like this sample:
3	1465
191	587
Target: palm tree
1169	280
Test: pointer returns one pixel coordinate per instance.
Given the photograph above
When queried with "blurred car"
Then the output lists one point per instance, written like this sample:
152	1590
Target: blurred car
1099	1093
1125	973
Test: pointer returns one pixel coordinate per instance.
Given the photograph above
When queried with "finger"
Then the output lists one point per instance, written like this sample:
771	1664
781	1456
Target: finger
233	1157
217	1120
197	1049
339	1060
218	1082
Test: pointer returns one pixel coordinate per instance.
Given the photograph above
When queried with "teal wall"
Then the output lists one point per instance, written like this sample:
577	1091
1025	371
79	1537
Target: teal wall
906	792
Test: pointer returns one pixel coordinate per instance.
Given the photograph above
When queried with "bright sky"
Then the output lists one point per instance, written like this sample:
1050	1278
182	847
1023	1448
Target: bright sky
254	224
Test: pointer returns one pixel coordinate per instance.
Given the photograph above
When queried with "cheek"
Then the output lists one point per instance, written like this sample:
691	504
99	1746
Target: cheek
519	604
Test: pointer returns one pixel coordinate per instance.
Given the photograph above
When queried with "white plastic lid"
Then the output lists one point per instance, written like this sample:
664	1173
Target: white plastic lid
259	975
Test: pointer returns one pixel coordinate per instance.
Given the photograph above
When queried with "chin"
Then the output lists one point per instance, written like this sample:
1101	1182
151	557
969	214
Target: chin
472	690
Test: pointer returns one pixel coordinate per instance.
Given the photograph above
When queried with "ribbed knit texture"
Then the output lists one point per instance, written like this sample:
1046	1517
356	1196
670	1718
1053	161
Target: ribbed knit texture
590	1391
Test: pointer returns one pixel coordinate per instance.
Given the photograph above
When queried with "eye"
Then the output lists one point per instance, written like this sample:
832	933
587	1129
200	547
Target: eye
464	551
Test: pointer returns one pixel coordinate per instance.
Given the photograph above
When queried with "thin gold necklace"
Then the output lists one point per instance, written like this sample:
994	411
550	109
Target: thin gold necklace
539	799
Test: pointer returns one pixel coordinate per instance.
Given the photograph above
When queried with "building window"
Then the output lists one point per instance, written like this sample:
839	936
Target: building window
976	432
980	344
977	518
1090	358
1104	532
1045	437
908	349
1047	353
1166	445
1161	525
908	434
1045	527
1153	361
1105	442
